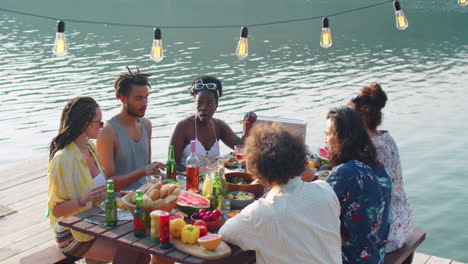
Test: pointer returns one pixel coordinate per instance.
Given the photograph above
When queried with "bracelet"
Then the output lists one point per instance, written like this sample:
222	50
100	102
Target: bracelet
79	202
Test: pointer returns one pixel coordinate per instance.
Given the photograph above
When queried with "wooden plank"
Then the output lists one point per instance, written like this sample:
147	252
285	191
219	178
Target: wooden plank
437	260
456	262
23	234
15	258
29	201
16	193
420	258
23	245
400	255
145	243
118	232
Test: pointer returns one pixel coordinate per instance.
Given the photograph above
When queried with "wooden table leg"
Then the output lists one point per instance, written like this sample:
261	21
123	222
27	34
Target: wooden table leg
125	255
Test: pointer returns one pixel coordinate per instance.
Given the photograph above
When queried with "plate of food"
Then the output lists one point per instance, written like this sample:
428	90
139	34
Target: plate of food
229	161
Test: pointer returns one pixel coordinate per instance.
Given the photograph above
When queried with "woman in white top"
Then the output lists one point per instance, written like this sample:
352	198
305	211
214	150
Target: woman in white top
297	221
369	103
202	127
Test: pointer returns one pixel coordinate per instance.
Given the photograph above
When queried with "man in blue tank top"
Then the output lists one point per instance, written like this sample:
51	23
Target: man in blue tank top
124	146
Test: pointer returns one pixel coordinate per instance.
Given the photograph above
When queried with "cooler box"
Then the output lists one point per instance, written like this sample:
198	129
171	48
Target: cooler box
297	126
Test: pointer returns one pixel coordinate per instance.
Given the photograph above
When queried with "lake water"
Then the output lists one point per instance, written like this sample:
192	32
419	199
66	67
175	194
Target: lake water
424	71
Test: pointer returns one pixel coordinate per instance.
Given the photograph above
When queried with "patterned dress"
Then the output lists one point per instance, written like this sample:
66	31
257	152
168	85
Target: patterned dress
364	195
401	211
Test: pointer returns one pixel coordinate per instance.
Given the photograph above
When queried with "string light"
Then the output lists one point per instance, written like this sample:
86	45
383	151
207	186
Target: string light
243	46
157	49
462	2
242	51
401	21
326	38
60	44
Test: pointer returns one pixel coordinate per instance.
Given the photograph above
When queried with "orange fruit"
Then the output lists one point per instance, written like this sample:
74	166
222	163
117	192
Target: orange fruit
210	241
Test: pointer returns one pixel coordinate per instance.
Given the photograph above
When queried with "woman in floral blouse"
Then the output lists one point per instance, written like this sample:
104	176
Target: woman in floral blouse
369	103
362	186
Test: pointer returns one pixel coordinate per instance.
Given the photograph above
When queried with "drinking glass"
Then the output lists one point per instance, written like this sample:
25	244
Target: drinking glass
239	149
153	179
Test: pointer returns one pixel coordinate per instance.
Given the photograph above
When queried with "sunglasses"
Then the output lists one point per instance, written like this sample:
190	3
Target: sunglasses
200	86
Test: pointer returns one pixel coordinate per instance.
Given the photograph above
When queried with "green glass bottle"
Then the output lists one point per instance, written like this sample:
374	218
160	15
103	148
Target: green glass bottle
215	195
171	164
111	205
139	229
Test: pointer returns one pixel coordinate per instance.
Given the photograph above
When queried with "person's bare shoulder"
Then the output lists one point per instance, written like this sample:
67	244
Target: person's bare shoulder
148	123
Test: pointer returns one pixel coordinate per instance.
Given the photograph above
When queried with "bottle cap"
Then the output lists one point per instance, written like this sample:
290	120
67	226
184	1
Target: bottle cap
193	146
110	181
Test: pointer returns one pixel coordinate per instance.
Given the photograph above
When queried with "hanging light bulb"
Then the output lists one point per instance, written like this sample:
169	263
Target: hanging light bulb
243	46
401	21
326	38
157	49
60	45
462	2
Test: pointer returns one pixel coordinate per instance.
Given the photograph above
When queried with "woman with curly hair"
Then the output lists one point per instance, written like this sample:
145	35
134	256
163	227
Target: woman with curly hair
369	103
362	186
76	178
298	221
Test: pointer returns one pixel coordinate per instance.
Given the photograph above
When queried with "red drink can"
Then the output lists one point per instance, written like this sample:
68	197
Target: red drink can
164	234
192	179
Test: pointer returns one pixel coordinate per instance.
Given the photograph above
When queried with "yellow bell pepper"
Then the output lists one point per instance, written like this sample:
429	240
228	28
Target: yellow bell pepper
190	234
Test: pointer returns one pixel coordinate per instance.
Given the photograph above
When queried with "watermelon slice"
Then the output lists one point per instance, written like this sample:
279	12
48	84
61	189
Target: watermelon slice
323	154
190	203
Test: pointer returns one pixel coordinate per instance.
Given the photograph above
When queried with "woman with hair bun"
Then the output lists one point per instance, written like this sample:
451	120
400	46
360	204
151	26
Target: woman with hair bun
369	103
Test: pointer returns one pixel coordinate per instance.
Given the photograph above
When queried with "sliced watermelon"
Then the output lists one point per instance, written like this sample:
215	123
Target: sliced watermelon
190	203
323	155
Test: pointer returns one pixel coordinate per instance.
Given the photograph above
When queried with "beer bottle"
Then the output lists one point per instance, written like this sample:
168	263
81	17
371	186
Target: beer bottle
139	229
170	164
111	205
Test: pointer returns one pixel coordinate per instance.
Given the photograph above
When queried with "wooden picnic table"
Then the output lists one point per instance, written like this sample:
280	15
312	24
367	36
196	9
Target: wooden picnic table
131	248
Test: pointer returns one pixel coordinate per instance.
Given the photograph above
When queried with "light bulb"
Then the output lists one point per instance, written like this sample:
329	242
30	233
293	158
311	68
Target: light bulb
462	2
243	46
401	21
326	38
157	49
60	45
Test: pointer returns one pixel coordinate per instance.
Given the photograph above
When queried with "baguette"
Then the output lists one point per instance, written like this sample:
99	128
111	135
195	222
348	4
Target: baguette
153	194
177	192
164	193
170	199
158	203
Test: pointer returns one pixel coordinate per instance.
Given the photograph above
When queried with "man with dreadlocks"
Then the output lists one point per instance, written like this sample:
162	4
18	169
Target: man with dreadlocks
124	146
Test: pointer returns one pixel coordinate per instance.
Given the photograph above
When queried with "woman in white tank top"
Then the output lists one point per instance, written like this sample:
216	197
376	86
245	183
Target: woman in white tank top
202	127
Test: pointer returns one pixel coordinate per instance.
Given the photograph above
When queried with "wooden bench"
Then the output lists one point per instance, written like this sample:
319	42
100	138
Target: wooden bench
405	254
49	255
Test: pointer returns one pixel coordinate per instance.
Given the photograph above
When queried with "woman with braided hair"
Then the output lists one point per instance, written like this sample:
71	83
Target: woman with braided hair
369	103
76	178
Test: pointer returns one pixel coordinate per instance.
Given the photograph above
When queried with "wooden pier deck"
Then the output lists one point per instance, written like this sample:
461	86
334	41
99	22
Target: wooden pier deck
23	188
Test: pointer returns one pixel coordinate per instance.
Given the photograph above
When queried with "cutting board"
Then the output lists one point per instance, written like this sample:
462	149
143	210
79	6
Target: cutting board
198	251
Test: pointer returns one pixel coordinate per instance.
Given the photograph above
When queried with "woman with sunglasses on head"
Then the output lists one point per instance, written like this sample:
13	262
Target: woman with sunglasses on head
369	103
362	186
76	178
202	127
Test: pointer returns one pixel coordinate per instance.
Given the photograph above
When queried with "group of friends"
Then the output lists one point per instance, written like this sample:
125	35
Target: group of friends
357	215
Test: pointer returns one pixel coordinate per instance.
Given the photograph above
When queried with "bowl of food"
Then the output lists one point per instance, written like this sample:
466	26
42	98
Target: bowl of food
211	218
156	197
243	181
240	199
